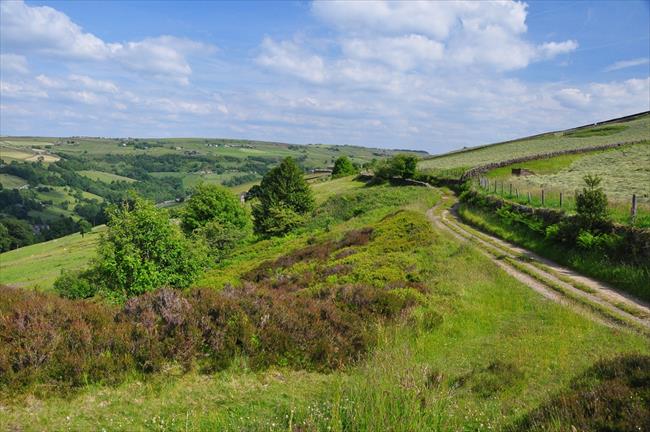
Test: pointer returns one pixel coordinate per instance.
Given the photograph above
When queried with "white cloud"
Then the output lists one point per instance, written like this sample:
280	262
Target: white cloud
552	49
403	36
13	63
288	57
573	97
44	30
94	84
624	64
403	52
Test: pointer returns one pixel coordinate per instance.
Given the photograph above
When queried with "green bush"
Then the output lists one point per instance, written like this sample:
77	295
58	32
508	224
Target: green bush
75	285
213	203
343	167
220	238
401	166
142	250
591	205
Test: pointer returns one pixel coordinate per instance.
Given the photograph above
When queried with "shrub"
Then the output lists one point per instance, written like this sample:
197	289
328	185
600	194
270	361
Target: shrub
220	238
591	205
284	197
142	250
75	284
213	203
343	167
401	165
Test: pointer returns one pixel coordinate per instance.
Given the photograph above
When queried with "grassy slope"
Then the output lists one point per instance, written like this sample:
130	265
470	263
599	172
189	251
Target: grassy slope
104	176
625	171
10	182
40	264
441	378
634	130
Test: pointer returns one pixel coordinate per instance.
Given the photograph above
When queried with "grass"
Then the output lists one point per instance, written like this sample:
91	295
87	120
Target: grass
635	130
9	181
634	280
499	352
597	131
104	176
38	265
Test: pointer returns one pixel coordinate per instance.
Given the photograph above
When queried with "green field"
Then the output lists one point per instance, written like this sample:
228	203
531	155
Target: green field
635	130
495	352
104	176
38	265
624	171
9	181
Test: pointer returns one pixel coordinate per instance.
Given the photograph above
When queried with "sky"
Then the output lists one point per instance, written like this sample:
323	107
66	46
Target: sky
434	76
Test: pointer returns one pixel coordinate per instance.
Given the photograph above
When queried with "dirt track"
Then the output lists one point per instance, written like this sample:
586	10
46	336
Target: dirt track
548	278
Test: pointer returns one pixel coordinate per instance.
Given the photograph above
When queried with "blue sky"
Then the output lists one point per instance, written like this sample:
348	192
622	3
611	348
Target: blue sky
434	76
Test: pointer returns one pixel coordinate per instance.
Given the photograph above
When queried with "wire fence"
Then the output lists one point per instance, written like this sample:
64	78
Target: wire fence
633	210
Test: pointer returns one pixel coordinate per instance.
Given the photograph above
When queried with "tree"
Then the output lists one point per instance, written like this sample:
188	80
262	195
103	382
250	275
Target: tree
5	239
19	233
84	227
343	167
591	204
284	198
213	203
142	250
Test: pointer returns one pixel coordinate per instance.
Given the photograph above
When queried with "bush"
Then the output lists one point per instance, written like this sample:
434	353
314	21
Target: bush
213	203
591	205
343	167
75	285
142	250
401	166
220	238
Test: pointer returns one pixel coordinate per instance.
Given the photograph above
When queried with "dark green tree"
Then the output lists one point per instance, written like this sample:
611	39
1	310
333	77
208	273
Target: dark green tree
284	198
213	203
343	167
142	250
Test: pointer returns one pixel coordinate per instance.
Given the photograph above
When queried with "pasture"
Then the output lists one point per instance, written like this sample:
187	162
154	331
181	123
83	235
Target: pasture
37	266
105	176
634	130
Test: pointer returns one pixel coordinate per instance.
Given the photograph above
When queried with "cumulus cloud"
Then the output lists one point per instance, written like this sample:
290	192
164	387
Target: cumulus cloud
402	52
47	31
551	49
624	64
413	35
288	57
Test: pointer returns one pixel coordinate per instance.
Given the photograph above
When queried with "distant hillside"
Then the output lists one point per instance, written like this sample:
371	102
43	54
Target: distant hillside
625	129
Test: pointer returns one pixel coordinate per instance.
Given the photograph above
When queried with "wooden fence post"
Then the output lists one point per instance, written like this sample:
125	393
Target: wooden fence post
633	207
528	197
495	186
517	193
561	199
502	188
542	197
510	189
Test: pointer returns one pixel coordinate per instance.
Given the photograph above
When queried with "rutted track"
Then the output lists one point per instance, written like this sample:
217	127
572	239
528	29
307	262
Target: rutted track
548	278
